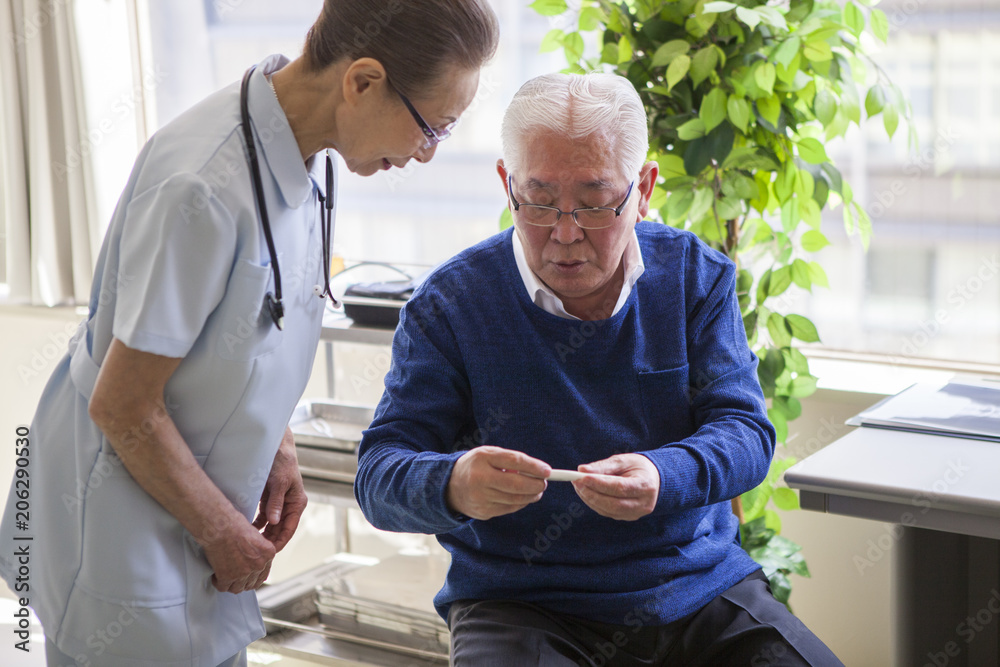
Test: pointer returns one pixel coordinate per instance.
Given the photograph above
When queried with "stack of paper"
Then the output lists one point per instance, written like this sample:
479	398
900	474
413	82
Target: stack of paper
960	407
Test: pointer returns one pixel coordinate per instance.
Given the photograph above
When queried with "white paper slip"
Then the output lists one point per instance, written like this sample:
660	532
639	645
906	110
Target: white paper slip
566	475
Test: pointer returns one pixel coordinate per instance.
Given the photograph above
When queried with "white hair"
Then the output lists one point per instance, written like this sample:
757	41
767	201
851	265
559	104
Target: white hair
578	106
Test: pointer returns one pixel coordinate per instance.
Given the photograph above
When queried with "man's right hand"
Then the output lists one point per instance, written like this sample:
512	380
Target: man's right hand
240	557
485	482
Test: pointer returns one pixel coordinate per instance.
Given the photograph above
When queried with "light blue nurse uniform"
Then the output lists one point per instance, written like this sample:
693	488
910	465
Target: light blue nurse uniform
113	577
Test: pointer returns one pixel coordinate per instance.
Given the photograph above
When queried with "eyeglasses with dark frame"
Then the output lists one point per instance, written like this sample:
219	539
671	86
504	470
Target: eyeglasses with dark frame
589	217
432	137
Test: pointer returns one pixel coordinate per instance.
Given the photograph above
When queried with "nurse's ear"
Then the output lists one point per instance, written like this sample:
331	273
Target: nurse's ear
364	82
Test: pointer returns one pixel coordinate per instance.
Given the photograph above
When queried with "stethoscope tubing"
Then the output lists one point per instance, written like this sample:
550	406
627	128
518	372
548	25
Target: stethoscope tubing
275	305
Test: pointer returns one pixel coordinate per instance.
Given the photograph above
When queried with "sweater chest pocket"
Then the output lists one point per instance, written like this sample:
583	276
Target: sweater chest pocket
666	404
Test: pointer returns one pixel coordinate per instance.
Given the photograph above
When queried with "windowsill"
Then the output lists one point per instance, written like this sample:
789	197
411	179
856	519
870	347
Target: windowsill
881	374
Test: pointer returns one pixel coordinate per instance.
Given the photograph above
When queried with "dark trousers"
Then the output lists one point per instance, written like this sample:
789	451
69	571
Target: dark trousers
744	626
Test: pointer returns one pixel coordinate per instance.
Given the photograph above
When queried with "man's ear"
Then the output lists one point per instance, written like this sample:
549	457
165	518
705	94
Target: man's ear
362	77
647	179
502	170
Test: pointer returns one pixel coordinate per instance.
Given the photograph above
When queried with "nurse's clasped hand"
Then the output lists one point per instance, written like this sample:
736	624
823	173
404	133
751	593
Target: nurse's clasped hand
483	483
284	497
240	557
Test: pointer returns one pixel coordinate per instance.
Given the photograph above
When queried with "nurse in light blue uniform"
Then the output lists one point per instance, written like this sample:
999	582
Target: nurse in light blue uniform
163	431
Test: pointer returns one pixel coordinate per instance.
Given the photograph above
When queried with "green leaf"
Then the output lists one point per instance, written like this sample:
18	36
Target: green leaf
854	18
573	46
750	17
506	219
864	226
781	280
802	386
825	106
802	328
678	70
713	147
739	112
624	50
850	102
818	275
770	109
552	41
890	116
809	210
717	7
780	423
786	499
609	54
703	64
875	100
549	7
765	76
817	51
658	198
772	17
713	109
812	151
671	166
703	198
692	129
591	18
814	241
678	204
800	276
788	406
880	25
666	53
789	48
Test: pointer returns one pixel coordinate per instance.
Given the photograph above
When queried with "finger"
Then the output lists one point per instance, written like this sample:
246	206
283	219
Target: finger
276	502
614	465
518	484
284	530
510	460
612	487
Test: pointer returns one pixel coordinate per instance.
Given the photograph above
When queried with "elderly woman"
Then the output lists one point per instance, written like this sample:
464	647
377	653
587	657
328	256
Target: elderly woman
165	426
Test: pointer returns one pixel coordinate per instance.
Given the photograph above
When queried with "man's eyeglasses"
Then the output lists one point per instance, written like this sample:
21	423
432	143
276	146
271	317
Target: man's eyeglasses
432	137
592	217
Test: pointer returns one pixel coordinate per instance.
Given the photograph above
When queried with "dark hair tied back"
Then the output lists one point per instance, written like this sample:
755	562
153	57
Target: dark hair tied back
415	40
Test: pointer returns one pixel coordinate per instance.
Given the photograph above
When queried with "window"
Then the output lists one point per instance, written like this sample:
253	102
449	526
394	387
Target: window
422	214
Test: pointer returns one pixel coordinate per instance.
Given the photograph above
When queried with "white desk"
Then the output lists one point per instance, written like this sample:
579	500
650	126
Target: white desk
944	495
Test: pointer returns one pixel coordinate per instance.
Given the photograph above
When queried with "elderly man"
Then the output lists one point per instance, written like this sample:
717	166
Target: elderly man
584	339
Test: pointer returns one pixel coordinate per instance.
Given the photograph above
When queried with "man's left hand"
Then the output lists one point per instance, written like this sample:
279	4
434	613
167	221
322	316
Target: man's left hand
627	492
284	497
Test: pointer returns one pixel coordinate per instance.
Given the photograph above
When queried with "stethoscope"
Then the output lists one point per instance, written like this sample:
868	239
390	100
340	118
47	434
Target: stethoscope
275	306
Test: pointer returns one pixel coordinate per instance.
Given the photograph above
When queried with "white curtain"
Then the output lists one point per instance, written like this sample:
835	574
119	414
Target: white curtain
47	210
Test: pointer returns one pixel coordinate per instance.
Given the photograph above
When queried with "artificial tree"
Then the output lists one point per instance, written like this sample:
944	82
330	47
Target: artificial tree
741	98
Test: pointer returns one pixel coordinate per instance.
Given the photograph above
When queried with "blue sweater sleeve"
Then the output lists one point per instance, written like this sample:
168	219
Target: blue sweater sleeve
406	457
731	449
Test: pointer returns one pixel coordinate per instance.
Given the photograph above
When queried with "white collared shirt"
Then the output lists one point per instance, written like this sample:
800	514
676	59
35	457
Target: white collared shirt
546	299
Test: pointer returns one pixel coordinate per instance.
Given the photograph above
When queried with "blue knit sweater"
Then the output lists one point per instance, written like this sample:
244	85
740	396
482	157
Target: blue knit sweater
670	376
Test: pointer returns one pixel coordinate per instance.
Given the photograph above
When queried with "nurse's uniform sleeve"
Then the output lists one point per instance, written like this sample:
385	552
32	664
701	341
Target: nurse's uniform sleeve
175	258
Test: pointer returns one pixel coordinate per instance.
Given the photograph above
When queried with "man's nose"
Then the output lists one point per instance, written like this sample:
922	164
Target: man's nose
566	230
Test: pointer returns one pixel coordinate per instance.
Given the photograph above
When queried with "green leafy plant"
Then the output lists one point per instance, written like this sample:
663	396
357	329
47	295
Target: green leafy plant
742	97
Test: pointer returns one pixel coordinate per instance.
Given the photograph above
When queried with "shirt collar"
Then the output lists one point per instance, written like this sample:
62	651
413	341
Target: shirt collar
276	140
546	299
